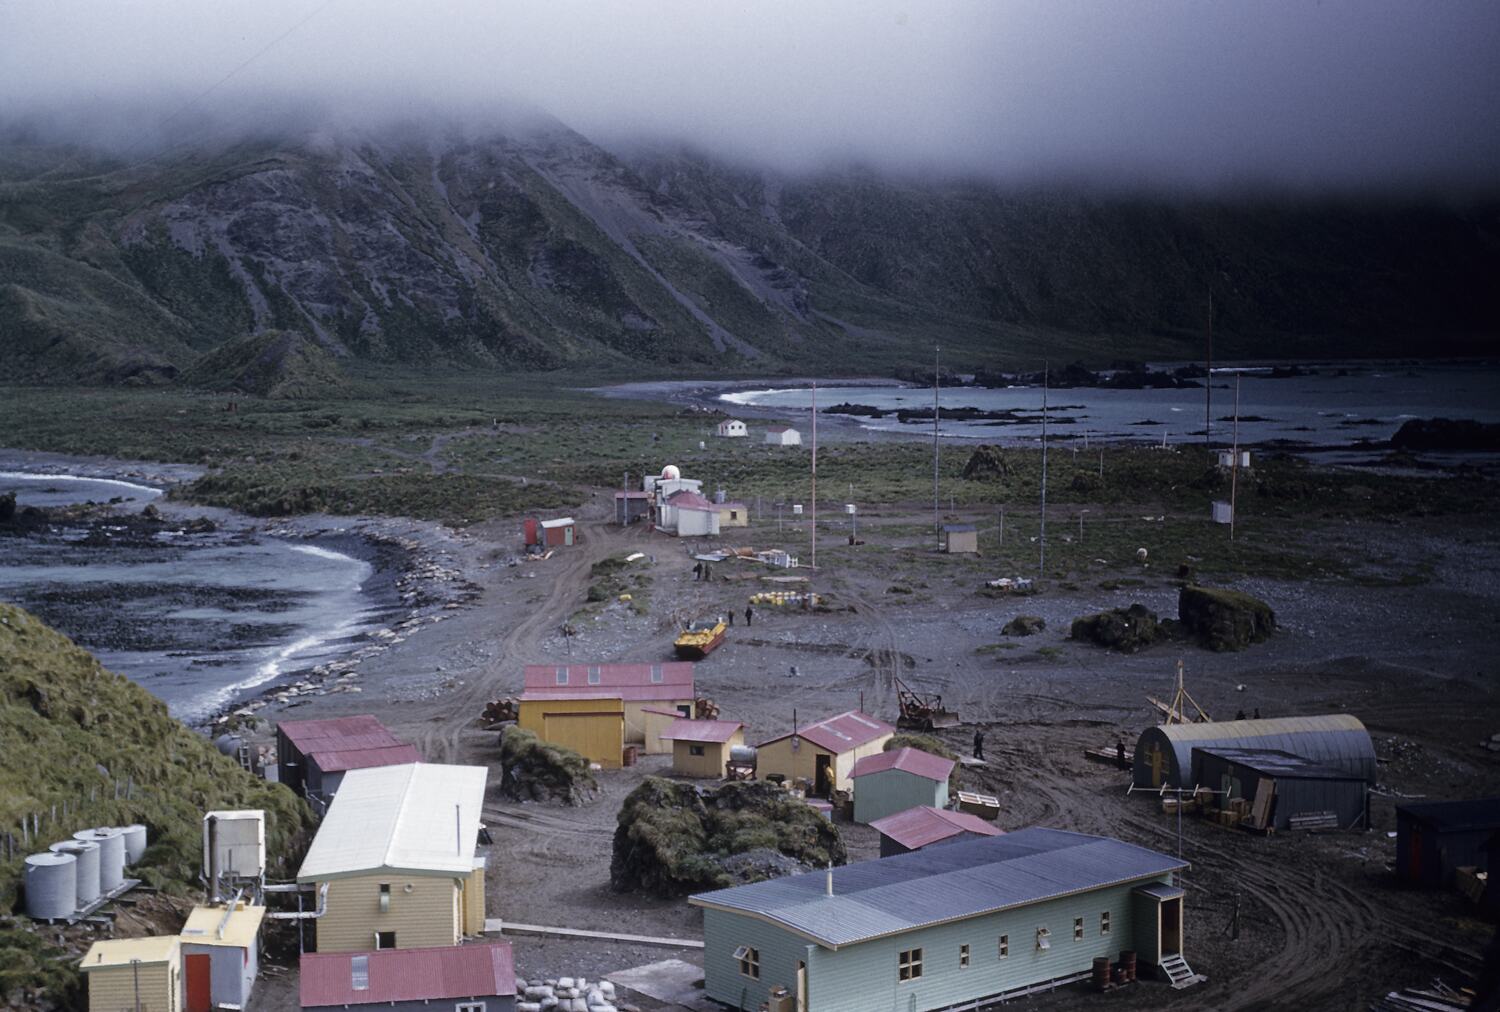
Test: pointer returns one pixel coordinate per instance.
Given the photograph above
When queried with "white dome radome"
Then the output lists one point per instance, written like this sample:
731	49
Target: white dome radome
671	473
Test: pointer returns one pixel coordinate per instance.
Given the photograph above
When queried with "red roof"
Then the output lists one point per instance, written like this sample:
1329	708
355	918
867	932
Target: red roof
841	732
917	827
450	972
718	731
688	500
338	734
908	760
629	682
364	758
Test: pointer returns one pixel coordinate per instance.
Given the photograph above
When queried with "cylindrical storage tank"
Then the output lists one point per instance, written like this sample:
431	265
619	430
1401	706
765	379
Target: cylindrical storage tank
51	886
135	842
86	852
1101	973
1127	960
742	753
111	855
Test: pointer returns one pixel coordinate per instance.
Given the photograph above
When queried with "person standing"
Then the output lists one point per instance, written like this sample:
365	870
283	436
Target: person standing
749	615
731	617
979	745
698	572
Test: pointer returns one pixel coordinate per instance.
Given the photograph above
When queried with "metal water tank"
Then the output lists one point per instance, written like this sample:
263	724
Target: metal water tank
135	842
51	885
111	855
86	853
742	753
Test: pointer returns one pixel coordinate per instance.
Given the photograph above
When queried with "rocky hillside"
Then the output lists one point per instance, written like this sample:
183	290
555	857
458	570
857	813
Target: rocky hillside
536	249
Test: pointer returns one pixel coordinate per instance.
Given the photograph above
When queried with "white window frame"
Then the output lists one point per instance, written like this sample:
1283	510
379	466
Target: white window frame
359	973
697	750
595	676
1004	946
963	957
469	1006
562	675
1104	923
1078	929
656	674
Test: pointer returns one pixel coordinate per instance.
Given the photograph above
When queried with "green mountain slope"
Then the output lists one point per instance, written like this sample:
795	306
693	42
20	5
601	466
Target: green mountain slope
535	249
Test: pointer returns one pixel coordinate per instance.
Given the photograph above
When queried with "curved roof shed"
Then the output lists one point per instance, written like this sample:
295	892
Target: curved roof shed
1164	754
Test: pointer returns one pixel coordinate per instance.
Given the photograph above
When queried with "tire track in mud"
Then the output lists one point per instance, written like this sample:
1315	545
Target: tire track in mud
441	741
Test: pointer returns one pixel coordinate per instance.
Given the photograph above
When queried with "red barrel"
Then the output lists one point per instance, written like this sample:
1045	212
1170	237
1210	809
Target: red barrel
1101	973
629	755
1127	963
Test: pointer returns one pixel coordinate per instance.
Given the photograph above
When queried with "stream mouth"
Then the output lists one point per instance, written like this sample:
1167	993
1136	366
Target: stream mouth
201	614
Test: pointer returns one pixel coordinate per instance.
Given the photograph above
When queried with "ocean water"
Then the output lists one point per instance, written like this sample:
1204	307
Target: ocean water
1322	409
199	619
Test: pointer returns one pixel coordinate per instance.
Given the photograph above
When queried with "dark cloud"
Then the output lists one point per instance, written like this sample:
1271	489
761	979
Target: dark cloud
1193	93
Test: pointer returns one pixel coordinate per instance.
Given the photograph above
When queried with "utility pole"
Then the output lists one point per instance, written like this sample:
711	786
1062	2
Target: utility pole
1234	462
1208	379
937	524
1041	566
815	474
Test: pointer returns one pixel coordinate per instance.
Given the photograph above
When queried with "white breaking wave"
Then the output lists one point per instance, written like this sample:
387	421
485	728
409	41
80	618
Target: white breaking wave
30	476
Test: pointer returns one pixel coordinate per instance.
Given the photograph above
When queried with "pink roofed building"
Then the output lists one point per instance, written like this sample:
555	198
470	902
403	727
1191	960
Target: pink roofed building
466	977
898	779
640	687
823	753
926	826
312	756
701	748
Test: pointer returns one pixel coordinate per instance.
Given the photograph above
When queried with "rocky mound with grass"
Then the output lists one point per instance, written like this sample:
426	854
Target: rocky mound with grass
536	770
986	461
80	738
1124	629
673	838
1224	620
279	364
1024	625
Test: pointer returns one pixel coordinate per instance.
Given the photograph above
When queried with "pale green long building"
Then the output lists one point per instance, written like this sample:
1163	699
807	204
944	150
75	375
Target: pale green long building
981	919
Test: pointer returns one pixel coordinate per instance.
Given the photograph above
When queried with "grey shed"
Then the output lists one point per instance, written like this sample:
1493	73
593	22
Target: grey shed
1301	786
1164	754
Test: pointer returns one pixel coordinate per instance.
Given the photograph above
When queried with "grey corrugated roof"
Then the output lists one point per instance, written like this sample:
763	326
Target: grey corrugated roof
1338	740
1276	763
952	882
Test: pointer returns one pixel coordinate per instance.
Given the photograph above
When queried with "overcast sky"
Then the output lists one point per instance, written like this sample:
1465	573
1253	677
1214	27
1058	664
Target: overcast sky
1202	93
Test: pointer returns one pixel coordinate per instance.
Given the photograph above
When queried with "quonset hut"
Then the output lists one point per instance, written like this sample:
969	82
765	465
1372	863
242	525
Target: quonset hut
1164	754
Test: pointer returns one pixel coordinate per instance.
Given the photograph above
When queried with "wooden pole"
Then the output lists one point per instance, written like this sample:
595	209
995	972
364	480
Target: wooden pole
1208	380
815	474
1042	556
937	524
1234	463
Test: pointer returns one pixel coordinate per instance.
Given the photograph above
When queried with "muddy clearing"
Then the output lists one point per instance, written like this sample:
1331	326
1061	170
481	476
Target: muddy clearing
1321	922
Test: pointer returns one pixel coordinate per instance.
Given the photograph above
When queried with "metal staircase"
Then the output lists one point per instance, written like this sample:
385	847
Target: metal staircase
1179	973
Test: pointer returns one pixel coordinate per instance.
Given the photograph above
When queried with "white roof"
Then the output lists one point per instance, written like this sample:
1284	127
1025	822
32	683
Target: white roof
559	522
421	818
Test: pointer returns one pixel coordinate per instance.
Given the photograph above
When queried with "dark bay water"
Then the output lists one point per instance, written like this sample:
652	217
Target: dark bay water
199	617
1334	405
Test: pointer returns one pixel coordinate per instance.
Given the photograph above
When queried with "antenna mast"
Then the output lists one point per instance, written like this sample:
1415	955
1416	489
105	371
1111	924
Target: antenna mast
1234	461
1208	379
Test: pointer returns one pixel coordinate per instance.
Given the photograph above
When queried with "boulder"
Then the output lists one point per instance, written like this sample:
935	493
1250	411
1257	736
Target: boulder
1024	625
1224	620
1124	629
986	462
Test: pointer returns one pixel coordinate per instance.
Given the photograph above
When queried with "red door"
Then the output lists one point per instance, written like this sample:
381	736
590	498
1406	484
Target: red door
199	972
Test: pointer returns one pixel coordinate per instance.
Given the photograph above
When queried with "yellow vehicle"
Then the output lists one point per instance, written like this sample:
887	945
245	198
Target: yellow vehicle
700	639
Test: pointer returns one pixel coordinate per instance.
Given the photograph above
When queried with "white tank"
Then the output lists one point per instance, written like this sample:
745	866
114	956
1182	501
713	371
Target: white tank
51	886
111	855
671	473
86	852
135	842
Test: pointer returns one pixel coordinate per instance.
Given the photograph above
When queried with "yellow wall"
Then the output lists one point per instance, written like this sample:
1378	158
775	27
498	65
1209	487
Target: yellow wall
427	916
962	541
741	516
640	725
710	764
473	901
778	757
594	728
112	988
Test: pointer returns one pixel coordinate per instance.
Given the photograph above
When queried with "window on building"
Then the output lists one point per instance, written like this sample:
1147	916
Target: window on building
656	675
359	973
695	750
1104	923
734	514
562	675
963	957
1004	946
1043	938
469	1006
385	897
385	939
909	965
1078	929
749	961
593	676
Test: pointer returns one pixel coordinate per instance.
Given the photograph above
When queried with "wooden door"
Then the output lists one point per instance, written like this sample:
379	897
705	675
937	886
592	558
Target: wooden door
1157	762
1171	927
801	986
198	968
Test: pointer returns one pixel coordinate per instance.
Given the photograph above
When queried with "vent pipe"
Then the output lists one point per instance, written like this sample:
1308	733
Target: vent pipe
828	889
213	859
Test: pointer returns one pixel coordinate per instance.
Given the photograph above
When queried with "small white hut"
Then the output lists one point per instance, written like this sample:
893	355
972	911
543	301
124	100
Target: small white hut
733	428
783	435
